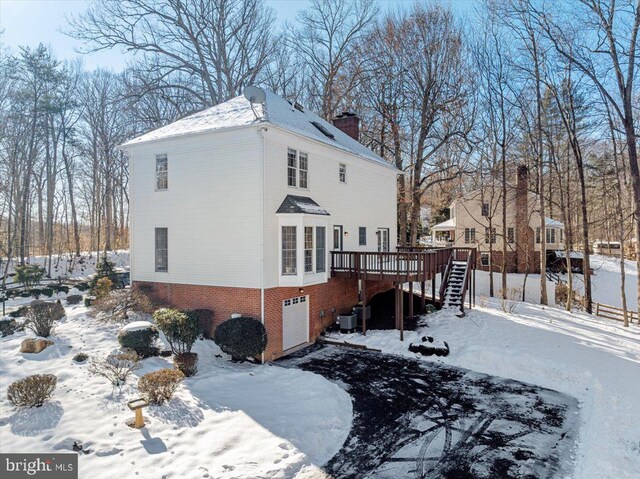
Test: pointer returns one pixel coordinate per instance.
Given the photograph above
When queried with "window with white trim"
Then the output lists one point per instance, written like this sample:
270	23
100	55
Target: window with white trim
469	235
485	210
289	251
484	259
320	249
490	235
342	173
308	249
297	169
551	235
362	236
162	250
162	172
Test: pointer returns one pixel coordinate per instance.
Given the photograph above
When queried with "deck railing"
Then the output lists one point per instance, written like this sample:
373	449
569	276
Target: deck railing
402	265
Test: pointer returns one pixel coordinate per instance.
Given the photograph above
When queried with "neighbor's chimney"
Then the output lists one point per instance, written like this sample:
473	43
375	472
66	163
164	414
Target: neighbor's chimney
349	123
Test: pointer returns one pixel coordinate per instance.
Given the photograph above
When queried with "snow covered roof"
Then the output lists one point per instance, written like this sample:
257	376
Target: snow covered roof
572	254
445	225
551	223
301	204
275	110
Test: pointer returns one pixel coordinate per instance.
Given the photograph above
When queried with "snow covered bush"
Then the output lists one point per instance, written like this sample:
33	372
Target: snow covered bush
187	363
241	337
117	305
42	316
180	329
74	299
115	367
32	391
159	386
139	336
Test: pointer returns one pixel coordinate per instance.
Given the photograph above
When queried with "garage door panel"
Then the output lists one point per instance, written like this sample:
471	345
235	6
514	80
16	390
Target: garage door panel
295	322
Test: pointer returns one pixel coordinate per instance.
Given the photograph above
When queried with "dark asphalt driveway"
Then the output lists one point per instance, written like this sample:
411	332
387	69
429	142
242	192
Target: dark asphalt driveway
418	419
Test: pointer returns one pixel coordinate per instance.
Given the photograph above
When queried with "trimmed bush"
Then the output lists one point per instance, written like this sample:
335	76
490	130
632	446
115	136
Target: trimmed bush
180	329
20	312
187	363
241	337
205	318
80	357
74	299
159	386
140	338
42	316
32	391
115	367
8	326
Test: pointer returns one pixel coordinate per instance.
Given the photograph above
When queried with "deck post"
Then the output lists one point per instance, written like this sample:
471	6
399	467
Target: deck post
433	288
401	290
411	299
397	303
364	306
423	299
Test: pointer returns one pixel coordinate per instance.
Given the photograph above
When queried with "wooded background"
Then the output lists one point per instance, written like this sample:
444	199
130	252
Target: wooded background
456	102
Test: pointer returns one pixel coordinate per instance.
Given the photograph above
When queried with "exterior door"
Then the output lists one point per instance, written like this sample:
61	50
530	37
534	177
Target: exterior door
337	238
295	322
383	239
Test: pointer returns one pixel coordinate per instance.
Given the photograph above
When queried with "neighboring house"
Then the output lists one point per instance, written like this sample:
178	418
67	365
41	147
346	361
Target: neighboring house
237	208
476	221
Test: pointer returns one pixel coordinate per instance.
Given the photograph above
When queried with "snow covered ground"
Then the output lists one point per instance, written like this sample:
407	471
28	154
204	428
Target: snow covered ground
230	420
606	281
72	266
592	359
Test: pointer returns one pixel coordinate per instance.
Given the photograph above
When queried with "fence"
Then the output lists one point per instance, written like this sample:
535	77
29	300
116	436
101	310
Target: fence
611	312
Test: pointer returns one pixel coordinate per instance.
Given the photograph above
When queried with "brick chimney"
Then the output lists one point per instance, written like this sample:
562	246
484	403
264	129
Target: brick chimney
349	123
524	234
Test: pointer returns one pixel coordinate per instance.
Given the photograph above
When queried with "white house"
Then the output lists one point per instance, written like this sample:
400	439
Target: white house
236	209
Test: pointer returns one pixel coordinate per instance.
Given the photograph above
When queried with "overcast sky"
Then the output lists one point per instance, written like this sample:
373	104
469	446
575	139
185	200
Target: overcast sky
30	22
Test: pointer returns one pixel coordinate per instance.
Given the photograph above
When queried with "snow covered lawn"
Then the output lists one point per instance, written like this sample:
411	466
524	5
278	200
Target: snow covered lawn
230	420
592	359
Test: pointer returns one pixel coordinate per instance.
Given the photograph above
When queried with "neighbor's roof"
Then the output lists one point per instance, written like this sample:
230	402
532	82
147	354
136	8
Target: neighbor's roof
572	254
550	222
275	110
301	204
445	225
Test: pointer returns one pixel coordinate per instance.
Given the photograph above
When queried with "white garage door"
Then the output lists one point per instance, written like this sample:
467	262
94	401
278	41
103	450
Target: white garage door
295	322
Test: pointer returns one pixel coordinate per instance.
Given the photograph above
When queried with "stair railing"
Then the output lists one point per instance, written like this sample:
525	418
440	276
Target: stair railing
467	276
445	280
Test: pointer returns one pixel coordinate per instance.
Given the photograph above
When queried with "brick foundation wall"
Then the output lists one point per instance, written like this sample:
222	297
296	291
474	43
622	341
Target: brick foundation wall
337	294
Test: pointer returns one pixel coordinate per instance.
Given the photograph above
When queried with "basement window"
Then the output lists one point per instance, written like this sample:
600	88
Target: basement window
323	130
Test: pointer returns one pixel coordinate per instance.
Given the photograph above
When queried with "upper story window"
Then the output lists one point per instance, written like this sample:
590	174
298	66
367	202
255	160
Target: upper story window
469	235
485	210
162	172
343	173
362	236
297	168
511	235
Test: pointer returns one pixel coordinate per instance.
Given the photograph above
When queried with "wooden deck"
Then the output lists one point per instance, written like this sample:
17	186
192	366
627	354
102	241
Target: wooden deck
408	264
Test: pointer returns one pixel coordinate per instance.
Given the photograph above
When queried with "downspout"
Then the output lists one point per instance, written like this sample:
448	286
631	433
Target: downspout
261	131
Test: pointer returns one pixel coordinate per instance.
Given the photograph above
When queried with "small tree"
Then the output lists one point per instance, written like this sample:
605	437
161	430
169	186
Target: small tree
29	275
102	288
241	337
42	316
180	329
115	367
105	269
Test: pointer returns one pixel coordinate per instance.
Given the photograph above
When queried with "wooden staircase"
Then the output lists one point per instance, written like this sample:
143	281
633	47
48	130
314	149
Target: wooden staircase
455	283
